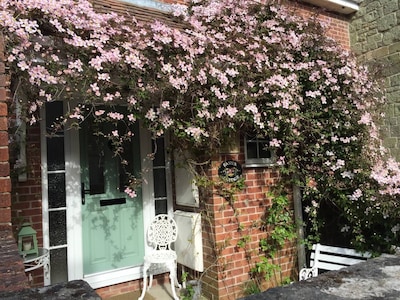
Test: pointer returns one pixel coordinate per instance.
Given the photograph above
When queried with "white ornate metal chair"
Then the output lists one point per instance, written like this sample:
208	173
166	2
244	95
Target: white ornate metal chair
161	233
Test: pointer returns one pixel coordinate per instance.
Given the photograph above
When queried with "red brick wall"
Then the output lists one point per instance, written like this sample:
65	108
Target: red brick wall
228	266
5	182
27	195
12	274
338	25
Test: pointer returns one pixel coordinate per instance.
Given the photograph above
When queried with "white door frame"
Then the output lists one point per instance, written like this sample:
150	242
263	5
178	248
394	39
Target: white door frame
73	207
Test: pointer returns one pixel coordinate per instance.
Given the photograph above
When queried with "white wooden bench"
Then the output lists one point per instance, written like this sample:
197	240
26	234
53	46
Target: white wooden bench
331	258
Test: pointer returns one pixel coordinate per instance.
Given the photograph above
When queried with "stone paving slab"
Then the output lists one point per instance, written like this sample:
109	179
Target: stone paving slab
76	289
377	278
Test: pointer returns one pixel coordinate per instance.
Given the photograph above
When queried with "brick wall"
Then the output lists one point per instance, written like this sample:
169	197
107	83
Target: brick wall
27	195
12	274
228	265
374	37
338	25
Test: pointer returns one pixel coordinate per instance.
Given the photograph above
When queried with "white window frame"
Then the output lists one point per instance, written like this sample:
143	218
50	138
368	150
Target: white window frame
259	161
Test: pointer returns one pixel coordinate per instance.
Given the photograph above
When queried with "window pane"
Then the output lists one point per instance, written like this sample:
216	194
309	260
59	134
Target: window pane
58	264
160	189
55	153
161	207
251	149
56	190
57	228
129	168
264	150
159	159
95	154
54	110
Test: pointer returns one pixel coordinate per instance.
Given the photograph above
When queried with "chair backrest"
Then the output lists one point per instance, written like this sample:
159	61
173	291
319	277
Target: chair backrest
162	232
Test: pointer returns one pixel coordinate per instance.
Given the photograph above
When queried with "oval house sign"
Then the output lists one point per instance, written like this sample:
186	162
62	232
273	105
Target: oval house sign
230	171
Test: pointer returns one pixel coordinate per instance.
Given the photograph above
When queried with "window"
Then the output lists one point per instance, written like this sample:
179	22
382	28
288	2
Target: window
257	151
160	176
56	219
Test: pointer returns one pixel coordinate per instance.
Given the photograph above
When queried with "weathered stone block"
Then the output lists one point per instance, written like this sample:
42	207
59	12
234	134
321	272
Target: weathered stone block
394	80
395	30
395	152
370	46
378	53
394	108
371	16
395	131
390	142
373	6
394	58
388	38
77	289
387	22
394	48
374	279
389	6
357	48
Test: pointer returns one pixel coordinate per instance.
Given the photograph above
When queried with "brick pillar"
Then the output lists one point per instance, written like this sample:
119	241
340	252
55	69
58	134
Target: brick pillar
12	274
227	264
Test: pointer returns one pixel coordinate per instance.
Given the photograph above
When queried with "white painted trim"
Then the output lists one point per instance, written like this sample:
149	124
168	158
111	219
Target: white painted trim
340	6
45	186
148	182
113	277
168	174
74	206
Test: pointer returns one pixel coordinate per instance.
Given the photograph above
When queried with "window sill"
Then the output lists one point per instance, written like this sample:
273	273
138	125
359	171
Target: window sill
259	165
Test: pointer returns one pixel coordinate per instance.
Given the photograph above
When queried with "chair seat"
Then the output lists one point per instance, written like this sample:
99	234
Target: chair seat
160	256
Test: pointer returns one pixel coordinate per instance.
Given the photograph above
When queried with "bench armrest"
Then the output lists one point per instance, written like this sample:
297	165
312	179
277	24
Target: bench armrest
306	273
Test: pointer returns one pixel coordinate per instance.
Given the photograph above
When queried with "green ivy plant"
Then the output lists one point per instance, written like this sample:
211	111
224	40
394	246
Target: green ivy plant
279	229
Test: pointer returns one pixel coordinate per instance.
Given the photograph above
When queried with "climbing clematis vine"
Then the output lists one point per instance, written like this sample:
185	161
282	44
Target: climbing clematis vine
230	66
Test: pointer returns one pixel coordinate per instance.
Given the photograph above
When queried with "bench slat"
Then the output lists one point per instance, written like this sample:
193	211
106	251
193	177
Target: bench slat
338	260
332	258
340	250
322	265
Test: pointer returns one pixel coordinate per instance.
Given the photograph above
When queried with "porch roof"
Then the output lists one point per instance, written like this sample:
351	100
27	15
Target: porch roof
345	7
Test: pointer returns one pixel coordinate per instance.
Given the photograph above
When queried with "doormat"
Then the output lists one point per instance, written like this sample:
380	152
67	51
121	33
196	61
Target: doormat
131	296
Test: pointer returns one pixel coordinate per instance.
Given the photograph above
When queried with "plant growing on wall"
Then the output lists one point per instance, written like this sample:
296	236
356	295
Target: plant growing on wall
233	66
279	228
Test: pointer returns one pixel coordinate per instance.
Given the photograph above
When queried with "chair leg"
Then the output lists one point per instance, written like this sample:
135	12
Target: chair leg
144	288
172	278
150	281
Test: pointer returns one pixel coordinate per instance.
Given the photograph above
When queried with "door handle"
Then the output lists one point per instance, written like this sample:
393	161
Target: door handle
83	193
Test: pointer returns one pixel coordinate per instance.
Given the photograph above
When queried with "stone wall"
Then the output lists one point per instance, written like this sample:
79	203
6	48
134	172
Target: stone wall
375	39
